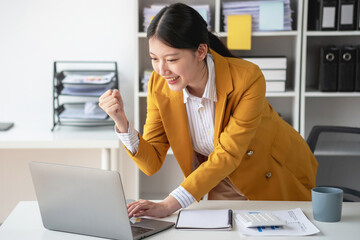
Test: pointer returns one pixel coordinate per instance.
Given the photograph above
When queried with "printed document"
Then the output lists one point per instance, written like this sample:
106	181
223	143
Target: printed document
297	224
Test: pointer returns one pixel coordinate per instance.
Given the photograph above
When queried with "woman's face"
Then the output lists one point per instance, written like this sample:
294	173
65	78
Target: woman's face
179	67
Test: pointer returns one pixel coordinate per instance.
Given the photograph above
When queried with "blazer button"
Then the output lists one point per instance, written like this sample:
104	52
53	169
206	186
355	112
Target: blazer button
250	153
268	175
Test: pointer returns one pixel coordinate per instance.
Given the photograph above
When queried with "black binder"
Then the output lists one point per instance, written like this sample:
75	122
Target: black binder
328	15
328	68
347	14
358	15
322	15
314	15
347	69
357	74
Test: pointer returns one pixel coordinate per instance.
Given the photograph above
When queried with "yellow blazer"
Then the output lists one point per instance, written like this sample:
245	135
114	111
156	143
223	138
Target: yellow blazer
263	156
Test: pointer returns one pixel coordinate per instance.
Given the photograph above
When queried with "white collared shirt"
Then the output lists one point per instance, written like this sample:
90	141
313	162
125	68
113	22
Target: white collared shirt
201	115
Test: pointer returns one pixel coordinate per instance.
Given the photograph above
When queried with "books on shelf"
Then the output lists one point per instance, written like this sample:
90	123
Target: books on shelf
153	9
274	71
271	15
275	86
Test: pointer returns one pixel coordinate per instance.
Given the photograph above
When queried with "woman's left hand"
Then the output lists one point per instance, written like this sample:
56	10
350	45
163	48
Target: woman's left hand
161	209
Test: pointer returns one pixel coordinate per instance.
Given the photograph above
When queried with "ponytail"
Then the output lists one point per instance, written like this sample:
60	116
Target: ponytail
218	46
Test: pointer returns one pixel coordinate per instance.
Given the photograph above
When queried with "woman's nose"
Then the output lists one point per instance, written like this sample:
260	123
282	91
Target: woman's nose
163	69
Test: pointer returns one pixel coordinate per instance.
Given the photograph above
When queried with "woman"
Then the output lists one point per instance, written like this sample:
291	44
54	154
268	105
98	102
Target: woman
210	107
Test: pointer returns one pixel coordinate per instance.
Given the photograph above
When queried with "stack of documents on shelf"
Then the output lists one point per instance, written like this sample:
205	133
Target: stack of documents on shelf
267	15
274	70
297	224
83	111
204	219
145	80
88	77
150	12
87	83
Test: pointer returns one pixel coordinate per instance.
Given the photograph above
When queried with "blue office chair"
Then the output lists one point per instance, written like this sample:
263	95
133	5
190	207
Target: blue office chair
339	162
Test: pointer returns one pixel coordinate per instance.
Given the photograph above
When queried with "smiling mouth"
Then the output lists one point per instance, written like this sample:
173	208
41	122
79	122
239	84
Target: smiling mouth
172	80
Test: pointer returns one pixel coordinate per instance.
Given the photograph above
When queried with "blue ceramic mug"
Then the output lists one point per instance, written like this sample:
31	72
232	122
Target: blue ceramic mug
327	203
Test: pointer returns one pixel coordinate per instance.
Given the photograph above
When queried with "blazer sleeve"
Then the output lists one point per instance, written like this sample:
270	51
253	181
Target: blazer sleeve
235	136
154	145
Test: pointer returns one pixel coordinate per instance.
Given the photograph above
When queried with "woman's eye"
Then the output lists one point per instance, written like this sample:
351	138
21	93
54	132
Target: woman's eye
153	59
172	60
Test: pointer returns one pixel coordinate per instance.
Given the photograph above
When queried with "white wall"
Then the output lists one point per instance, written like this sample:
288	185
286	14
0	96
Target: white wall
33	34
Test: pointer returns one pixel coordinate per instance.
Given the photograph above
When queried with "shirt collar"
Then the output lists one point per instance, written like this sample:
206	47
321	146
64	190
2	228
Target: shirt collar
210	88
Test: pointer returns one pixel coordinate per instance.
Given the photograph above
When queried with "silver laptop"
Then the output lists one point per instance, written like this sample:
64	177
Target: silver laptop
87	201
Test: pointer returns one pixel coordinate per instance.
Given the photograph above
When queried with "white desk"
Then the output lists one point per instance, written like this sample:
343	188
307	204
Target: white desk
29	135
25	223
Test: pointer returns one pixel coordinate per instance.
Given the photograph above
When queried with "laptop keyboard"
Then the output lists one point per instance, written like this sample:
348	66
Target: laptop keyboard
139	230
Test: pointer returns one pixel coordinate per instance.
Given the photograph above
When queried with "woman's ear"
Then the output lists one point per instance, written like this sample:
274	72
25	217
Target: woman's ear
202	51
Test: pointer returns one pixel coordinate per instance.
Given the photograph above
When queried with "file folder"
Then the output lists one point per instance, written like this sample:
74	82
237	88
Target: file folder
328	68
347	14
347	69
357	74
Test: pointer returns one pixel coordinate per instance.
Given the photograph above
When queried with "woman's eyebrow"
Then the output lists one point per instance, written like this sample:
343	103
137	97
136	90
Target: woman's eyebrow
166	55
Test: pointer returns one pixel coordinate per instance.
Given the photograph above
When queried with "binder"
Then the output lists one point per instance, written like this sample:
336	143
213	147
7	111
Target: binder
347	14
358	15
314	15
328	68
347	69
328	15
357	74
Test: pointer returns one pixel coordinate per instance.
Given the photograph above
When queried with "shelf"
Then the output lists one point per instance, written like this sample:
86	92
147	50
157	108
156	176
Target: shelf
280	94
266	34
254	34
316	93
332	33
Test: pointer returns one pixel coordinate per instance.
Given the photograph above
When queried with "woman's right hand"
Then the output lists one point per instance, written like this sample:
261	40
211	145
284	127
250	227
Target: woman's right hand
112	103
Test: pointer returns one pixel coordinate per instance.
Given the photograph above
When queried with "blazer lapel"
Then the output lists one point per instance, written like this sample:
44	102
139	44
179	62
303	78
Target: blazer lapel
224	87
177	128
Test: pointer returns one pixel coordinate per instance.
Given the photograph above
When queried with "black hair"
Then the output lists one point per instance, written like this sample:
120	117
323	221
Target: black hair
181	26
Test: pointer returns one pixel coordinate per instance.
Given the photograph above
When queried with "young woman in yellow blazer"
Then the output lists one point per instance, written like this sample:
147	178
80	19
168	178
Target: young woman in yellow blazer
198	89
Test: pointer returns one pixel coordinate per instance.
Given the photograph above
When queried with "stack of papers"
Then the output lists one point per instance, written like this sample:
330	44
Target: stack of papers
297	224
89	111
267	15
274	71
145	80
87	83
150	12
87	78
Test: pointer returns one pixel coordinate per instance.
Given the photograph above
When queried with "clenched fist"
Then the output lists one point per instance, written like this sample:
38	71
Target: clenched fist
112	103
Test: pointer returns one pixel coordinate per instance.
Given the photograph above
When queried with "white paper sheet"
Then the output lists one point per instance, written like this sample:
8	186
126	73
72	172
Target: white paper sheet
297	224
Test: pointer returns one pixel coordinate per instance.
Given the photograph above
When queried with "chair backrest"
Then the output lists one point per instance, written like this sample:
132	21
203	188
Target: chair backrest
338	154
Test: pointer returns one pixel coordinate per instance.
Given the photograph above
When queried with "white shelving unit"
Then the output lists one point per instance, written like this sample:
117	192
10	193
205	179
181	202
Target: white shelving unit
278	43
324	108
